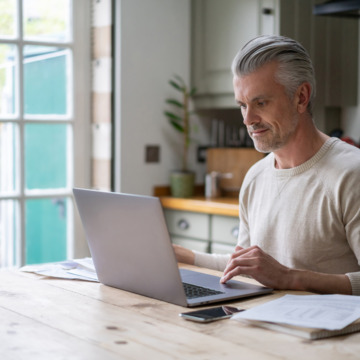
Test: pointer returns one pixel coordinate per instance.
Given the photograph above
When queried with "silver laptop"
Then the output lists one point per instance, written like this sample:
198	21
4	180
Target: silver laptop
131	250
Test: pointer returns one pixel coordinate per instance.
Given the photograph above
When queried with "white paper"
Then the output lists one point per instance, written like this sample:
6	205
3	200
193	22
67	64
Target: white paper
85	263
331	312
78	269
83	273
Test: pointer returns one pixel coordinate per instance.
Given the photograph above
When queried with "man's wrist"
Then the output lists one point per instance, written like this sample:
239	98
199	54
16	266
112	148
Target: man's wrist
304	280
296	280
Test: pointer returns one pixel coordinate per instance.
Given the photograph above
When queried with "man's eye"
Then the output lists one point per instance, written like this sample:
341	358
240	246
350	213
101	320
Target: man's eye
261	103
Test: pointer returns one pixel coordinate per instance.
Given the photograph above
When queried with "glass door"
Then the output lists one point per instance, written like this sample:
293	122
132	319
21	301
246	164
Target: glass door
36	131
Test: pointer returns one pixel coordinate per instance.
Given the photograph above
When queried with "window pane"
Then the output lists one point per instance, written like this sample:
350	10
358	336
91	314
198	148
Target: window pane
46	20
45	156
46	230
9	141
7	18
46	80
9	232
7	79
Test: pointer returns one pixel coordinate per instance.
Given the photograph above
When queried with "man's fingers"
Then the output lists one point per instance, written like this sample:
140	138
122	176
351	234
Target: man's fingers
231	273
238	248
238	266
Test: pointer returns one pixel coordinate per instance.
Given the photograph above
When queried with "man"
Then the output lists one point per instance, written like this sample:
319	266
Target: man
299	206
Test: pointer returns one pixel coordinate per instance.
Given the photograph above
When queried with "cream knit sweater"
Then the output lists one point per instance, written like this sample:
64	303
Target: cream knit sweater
307	217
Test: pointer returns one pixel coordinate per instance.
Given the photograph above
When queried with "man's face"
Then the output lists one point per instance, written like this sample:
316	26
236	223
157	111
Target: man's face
269	114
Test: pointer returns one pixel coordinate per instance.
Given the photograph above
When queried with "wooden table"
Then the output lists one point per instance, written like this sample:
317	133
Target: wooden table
44	318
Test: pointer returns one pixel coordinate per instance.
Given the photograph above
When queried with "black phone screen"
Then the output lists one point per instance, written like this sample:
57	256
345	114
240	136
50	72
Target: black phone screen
211	314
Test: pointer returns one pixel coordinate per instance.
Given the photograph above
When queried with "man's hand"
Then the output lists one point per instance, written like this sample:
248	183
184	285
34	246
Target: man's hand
256	263
184	255
265	269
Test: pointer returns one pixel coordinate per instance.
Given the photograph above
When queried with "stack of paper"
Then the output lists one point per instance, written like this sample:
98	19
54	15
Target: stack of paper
79	269
309	316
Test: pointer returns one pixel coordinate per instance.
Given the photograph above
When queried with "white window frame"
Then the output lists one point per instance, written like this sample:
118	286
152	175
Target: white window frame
82	114
80	119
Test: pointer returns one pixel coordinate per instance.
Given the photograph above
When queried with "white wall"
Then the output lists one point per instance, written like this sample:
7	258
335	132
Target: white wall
154	45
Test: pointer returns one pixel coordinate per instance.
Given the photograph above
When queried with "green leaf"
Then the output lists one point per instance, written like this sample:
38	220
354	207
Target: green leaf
177	126
175	85
172	116
175	102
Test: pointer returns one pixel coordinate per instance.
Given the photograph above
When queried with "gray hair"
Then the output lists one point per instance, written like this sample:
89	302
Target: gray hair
295	65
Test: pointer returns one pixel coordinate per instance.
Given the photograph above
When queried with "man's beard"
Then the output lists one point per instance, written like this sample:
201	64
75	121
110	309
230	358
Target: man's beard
271	141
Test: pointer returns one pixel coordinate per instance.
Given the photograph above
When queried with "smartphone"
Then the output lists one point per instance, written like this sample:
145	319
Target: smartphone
211	314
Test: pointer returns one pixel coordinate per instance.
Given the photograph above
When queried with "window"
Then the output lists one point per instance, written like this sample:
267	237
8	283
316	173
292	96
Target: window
44	106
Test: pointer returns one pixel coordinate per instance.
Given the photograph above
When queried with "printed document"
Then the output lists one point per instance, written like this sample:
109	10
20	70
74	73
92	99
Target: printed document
330	312
77	269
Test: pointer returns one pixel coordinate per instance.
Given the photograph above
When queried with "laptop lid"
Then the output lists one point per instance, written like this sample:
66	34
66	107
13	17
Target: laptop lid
131	249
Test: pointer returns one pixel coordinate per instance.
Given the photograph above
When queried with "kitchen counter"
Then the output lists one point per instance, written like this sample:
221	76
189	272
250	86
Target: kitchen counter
217	206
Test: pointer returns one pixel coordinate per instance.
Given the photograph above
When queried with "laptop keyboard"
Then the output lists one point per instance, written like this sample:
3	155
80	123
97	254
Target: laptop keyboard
195	291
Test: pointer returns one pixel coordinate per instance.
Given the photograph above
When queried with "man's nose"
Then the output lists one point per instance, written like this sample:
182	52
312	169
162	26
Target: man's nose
250	117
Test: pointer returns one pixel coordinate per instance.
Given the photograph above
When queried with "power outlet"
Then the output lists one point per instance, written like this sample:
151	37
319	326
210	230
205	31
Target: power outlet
152	153
201	153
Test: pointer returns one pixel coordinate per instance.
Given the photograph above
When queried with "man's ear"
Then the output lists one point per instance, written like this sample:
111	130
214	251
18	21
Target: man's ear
302	97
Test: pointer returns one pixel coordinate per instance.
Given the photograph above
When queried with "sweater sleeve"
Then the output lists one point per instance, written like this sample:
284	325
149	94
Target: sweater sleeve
351	217
354	278
211	261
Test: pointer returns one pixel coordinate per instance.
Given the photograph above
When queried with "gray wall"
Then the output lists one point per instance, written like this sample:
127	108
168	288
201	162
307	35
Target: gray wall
351	115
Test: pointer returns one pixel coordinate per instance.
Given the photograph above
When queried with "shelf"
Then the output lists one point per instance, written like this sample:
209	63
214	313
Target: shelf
218	206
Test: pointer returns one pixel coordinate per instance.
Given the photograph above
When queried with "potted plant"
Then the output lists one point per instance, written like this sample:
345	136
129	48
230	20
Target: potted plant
182	181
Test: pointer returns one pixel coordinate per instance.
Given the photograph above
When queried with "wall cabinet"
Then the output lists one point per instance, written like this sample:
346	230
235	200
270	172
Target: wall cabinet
221	28
203	232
